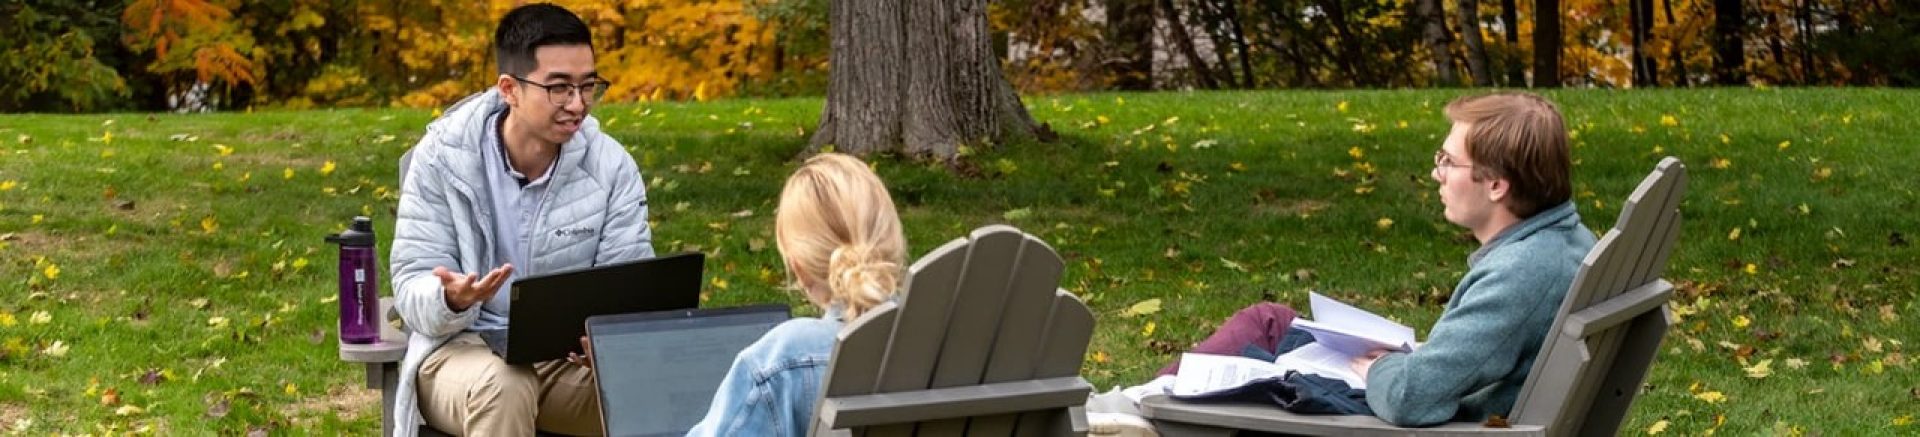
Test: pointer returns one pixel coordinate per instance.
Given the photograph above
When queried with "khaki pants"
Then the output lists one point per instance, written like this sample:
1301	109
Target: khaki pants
465	389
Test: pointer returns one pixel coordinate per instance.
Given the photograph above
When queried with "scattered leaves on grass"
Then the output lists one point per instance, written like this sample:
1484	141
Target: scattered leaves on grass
1711	397
57	349
1142	308
1017	214
1760	370
153	376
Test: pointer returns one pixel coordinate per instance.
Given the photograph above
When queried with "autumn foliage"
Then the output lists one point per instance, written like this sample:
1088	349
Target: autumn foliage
229	54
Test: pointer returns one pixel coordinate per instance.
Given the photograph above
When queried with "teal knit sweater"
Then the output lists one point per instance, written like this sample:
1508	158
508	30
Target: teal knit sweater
1479	353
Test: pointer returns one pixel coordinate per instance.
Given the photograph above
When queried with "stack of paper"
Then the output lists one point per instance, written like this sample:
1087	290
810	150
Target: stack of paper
1341	333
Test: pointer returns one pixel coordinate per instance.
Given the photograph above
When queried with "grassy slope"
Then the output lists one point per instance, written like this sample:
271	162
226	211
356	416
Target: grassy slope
1206	201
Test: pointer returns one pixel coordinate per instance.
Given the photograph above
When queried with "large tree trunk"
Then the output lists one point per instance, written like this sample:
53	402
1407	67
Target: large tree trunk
918	77
1130	37
1439	41
1729	43
1510	23
1476	43
1546	43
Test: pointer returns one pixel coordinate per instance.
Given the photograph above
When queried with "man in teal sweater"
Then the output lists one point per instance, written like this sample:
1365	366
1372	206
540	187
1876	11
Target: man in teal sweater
1503	174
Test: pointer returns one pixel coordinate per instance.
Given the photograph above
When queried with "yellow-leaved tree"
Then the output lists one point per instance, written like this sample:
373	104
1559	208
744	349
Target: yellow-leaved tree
678	49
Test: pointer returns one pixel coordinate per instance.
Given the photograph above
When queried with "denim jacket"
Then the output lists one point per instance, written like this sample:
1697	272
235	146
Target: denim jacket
774	383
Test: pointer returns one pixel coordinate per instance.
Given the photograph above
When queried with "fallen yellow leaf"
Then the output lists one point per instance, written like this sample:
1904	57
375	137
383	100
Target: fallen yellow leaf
1760	370
1142	308
327	168
1711	397
1658	427
1147	331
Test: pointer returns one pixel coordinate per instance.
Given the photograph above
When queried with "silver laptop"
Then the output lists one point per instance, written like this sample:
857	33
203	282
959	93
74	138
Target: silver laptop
657	371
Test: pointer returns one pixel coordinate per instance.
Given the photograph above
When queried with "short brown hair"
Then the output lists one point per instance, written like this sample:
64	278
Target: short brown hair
1519	137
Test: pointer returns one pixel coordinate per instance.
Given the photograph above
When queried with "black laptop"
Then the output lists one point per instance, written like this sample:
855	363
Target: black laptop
657	371
550	310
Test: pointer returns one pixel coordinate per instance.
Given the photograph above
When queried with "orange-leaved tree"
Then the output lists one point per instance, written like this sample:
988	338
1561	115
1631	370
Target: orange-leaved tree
197	37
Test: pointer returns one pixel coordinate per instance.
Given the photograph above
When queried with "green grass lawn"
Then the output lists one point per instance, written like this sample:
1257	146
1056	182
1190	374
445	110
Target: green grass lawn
166	273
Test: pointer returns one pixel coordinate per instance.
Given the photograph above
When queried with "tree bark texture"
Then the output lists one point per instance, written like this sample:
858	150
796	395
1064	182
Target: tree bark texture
1439	41
1130	35
1546	43
1646	71
1178	25
919	77
1510	24
1729	44
1476	43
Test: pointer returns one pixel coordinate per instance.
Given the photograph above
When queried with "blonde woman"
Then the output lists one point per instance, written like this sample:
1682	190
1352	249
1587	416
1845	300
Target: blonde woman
841	240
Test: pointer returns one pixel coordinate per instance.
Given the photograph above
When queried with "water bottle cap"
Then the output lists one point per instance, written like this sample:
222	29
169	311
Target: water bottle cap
360	233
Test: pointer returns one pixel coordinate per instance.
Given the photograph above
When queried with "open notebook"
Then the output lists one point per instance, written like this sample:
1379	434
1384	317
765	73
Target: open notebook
1340	332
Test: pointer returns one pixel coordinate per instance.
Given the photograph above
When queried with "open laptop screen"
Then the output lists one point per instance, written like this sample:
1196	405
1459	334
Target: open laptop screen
657	371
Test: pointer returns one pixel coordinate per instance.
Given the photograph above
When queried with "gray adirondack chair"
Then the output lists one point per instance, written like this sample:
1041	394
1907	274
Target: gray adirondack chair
382	362
984	343
1593	361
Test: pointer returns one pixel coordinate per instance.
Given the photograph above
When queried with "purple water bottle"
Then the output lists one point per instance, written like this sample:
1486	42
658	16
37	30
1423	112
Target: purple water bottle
359	282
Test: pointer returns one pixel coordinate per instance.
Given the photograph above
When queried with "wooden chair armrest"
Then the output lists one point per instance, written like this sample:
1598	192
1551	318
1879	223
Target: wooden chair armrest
1272	419
391	347
965	401
1618	309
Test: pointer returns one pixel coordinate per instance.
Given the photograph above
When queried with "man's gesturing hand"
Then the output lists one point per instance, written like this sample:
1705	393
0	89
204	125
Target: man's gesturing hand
465	290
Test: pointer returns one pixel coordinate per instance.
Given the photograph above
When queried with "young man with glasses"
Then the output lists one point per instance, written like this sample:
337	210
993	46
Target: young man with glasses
510	182
1504	175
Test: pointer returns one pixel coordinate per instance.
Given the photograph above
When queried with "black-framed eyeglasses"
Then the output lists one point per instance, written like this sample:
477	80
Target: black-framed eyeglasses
562	93
1441	159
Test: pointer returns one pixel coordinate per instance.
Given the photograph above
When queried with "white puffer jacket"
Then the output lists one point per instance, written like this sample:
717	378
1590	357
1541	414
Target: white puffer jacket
595	213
